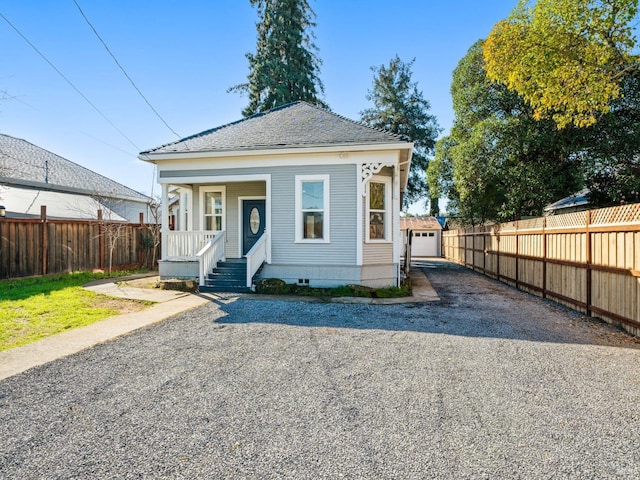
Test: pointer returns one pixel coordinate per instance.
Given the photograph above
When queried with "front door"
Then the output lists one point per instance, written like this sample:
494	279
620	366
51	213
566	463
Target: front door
253	223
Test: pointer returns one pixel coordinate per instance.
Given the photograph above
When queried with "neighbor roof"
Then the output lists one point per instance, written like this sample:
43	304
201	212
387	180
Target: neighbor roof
23	163
578	199
297	124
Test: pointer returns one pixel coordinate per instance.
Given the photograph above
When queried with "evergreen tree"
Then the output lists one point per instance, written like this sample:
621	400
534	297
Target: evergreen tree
285	67
399	107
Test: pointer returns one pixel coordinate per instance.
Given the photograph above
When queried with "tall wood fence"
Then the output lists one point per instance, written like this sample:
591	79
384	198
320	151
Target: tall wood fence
43	246
588	260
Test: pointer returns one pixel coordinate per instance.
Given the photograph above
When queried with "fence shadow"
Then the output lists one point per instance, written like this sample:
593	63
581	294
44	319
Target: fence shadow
472	306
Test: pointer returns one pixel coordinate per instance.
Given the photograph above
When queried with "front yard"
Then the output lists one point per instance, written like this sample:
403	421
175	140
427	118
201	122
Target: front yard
35	308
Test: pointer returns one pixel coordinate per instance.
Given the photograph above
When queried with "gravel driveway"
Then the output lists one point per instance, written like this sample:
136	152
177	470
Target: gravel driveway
487	383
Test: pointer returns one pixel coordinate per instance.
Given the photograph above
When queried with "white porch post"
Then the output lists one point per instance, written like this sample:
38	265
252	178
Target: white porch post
165	219
396	234
267	207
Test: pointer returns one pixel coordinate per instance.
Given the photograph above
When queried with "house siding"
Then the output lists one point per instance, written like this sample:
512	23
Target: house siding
342	180
342	234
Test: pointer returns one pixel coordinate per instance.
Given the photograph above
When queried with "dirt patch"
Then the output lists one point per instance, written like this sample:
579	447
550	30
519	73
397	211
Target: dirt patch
120	305
146	282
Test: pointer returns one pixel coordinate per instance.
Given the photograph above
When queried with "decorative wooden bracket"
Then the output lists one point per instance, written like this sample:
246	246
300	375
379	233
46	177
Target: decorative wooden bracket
369	170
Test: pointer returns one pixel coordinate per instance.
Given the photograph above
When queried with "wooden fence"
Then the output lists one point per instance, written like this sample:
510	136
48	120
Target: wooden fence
43	246
588	260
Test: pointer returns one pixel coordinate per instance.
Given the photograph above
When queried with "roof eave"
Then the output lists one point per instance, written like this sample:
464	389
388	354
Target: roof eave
261	151
32	185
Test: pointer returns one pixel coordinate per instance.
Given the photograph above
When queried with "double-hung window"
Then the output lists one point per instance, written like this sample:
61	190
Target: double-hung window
378	208
212	208
312	209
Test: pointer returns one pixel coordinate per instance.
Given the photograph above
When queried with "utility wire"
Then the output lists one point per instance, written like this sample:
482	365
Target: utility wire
123	70
69	82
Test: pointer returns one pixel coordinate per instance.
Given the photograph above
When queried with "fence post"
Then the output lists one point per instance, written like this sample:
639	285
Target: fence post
484	250
497	254
517	256
588	262
44	238
100	241
544	257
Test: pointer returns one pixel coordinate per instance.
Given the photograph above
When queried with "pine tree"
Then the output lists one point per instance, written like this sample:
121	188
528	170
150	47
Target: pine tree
399	107
285	67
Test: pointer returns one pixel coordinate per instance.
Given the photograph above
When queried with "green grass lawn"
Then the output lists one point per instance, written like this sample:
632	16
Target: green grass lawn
34	308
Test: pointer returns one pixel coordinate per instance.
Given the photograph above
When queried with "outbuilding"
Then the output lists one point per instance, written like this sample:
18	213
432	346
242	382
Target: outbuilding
425	234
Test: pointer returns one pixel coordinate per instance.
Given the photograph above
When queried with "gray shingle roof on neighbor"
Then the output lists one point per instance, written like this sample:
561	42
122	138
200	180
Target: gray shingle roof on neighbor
297	124
23	163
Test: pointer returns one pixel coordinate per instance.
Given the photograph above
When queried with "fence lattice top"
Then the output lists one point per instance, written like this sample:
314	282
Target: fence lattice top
621	214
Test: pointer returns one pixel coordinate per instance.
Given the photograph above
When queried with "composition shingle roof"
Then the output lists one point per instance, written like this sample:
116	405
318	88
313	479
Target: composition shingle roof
297	124
24	163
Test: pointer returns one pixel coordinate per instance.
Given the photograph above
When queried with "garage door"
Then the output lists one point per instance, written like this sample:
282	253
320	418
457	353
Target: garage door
424	244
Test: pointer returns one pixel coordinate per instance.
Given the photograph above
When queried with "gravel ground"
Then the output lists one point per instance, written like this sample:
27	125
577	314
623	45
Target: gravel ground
487	383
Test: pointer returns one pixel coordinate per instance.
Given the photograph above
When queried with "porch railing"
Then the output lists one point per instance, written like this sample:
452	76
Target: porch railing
188	243
256	257
209	255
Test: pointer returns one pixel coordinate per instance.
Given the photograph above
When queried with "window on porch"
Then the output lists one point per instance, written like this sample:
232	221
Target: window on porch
213	208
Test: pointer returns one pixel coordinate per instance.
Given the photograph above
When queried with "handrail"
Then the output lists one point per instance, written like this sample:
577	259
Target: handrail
256	257
209	255
186	244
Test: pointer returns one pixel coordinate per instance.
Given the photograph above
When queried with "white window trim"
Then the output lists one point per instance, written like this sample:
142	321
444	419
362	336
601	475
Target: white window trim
387	211
298	208
219	188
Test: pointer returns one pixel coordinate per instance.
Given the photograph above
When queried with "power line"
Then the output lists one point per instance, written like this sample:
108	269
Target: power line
123	70
69	82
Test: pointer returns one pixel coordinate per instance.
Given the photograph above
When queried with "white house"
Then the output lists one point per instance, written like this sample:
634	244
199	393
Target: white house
32	177
310	196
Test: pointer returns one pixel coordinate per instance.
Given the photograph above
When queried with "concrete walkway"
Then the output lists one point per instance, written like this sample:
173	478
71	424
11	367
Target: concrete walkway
20	359
168	303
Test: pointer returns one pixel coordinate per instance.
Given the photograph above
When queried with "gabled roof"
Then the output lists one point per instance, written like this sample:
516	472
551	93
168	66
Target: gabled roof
297	124
25	164
420	223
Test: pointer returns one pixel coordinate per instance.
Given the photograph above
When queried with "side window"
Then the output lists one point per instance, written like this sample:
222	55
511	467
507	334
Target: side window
312	209
378	208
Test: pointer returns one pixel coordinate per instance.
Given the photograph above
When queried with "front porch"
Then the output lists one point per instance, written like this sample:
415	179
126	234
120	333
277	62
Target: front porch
225	219
198	255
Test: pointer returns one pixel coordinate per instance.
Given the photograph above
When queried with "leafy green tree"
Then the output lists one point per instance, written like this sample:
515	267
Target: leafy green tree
500	163
285	67
399	107
610	152
566	58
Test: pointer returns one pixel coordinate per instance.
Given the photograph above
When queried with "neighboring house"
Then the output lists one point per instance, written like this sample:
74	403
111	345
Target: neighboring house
31	177
573	203
312	197
426	235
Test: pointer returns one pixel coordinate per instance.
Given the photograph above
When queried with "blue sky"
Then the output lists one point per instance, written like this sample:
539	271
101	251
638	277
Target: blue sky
184	55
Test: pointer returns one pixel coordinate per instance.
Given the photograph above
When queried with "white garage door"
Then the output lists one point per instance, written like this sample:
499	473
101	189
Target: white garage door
424	244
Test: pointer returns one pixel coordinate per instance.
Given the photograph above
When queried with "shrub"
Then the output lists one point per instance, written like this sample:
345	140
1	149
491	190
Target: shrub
272	286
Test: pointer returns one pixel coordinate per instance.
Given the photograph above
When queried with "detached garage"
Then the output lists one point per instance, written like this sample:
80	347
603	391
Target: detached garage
426	235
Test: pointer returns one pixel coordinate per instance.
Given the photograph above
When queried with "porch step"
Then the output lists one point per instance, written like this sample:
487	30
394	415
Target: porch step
229	276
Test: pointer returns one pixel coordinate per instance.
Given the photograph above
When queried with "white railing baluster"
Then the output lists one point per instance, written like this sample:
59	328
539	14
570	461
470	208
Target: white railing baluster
186	244
256	257
209	255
